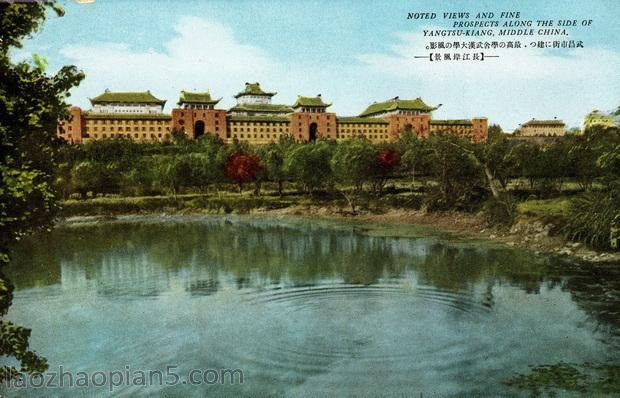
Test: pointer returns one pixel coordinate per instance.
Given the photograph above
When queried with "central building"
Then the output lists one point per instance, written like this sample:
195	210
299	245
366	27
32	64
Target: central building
256	119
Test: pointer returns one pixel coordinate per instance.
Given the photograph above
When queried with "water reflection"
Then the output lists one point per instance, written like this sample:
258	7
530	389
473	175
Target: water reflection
310	307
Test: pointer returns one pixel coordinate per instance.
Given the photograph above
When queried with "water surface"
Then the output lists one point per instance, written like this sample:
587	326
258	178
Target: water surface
305	308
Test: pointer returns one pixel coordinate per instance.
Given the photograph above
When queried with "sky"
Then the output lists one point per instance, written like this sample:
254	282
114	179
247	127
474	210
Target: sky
351	52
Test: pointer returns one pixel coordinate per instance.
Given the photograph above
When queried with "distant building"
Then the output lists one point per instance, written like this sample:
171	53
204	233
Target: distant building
255	119
542	128
597	118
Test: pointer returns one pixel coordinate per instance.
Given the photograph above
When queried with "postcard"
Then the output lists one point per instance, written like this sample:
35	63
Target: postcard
317	198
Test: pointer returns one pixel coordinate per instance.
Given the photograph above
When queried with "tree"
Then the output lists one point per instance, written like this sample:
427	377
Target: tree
414	154
243	168
526	158
31	104
308	164
456	171
352	165
386	161
272	158
493	154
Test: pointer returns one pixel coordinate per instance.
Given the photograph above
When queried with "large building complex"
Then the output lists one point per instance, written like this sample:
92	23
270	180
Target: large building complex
254	119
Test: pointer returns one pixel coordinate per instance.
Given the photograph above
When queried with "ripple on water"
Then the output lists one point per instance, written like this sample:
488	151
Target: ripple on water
309	329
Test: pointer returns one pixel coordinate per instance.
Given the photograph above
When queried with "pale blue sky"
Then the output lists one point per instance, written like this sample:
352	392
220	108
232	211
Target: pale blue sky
353	53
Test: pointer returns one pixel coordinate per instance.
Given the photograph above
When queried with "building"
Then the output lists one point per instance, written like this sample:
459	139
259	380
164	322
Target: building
542	128
597	118
132	115
110	102
255	119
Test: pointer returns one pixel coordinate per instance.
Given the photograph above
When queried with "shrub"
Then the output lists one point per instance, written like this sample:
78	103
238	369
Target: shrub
592	218
502	211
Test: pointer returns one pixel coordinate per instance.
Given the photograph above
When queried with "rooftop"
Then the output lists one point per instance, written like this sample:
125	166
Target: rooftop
355	119
310	102
275	108
197	98
258	119
397	104
534	122
254	89
127	97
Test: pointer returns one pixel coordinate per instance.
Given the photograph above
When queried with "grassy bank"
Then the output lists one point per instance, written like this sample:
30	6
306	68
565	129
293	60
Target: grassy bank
195	203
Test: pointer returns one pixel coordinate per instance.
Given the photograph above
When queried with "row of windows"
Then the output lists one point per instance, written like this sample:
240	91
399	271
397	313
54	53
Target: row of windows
350	130
241	129
131	122
121	128
360	125
250	136
136	135
369	136
251	124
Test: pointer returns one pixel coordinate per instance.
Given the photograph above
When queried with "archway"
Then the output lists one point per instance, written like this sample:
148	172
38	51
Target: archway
199	129
313	133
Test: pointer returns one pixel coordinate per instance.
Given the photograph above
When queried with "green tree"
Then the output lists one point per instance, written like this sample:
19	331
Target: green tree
526	159
456	172
414	154
352	165
31	103
308	164
95	177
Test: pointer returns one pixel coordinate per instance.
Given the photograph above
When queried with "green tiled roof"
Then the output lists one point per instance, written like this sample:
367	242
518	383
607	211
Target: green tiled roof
127	97
535	122
126	116
310	101
357	120
452	122
254	89
197	98
258	119
397	104
275	108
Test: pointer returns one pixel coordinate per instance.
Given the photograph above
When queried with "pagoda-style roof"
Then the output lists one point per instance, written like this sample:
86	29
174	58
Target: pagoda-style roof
254	89
197	98
397	104
127	97
534	122
271	108
312	102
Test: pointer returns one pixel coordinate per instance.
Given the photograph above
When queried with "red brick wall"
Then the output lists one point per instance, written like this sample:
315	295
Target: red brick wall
420	124
72	130
214	120
300	125
480	129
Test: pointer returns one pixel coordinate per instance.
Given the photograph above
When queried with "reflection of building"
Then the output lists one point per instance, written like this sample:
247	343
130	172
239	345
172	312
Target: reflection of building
542	128
255	119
